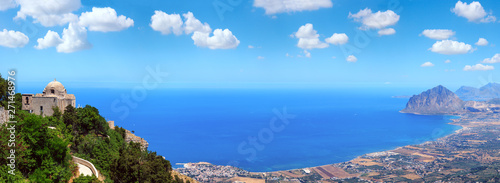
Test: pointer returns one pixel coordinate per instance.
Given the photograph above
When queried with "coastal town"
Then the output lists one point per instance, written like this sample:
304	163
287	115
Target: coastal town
471	154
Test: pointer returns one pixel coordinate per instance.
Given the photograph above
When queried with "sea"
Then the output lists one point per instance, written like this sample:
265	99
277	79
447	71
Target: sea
265	129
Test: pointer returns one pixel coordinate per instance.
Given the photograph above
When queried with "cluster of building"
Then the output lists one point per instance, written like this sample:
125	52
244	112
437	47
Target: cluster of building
206	172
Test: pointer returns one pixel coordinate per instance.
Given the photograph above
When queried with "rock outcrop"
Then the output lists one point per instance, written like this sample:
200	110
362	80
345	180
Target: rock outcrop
130	137
438	100
487	92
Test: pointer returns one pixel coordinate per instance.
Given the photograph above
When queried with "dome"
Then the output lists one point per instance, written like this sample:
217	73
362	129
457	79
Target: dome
54	87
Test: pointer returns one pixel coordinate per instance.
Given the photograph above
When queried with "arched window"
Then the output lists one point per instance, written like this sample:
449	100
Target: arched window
52	91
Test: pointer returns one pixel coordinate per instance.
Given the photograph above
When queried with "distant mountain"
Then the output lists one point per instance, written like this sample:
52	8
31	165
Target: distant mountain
438	100
487	92
494	101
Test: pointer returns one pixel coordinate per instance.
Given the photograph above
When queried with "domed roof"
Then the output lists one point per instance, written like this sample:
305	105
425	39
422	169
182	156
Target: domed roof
56	86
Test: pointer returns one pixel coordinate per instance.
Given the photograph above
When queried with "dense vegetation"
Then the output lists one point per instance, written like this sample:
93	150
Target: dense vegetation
44	154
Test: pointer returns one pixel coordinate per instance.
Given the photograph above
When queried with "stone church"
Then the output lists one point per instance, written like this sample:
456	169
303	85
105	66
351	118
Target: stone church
53	95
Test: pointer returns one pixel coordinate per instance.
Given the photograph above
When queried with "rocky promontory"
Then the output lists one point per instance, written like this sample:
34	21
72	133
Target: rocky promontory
438	100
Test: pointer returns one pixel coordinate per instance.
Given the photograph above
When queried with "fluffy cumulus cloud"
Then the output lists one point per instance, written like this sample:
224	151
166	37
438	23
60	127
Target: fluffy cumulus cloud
104	20
13	39
449	47
377	20
492	60
481	42
281	6
474	12
49	13
51	39
351	58
74	38
221	39
173	23
388	31
337	39
478	67
309	38
439	34
192	24
7	4
167	23
427	64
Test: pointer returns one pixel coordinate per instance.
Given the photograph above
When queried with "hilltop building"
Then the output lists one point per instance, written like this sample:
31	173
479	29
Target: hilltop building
53	95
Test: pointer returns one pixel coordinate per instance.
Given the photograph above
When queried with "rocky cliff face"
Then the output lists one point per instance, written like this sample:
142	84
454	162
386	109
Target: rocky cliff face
130	137
487	92
438	100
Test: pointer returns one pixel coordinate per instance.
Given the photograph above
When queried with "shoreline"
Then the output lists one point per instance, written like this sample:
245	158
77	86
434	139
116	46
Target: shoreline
469	151
451	121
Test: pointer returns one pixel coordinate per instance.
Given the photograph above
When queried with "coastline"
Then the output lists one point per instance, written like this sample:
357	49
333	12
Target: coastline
299	172
450	123
468	152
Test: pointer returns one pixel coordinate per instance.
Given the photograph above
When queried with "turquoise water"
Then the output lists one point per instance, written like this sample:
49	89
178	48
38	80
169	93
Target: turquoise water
234	126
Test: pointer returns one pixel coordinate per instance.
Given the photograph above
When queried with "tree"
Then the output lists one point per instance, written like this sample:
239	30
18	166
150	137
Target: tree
69	117
57	113
86	179
135	165
3	91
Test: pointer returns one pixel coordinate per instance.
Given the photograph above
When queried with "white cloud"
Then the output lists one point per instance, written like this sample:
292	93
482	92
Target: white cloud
13	39
250	46
260	57
51	39
308	38
388	31
478	67
427	64
492	60
167	23
281	6
74	38
172	23
337	39
104	20
307	54
447	61
351	58
481	42
474	12
49	13
378	20
221	39
438	34
449	47
192	24
7	4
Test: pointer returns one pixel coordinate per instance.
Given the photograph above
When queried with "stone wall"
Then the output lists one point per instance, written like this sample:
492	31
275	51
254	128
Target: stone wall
4	115
111	124
43	102
87	164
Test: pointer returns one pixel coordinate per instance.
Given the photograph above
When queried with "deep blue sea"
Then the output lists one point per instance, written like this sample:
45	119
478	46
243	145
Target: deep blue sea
240	127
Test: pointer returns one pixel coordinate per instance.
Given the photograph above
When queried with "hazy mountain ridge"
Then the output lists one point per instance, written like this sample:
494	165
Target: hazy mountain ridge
486	92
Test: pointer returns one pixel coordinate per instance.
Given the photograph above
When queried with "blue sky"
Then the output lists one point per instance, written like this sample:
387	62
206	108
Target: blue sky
263	46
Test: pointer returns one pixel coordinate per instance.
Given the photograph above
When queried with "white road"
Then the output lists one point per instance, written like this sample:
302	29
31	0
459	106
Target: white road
84	170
